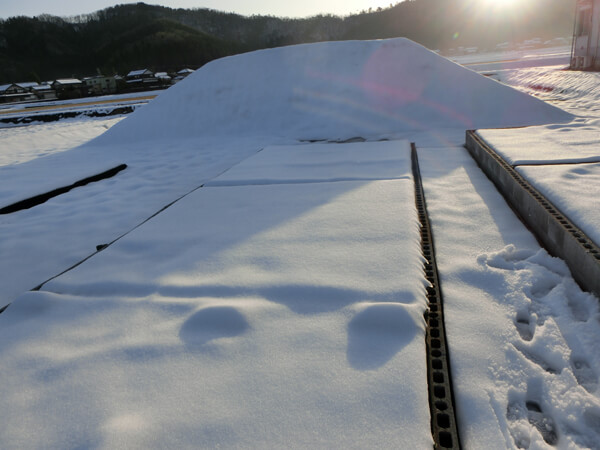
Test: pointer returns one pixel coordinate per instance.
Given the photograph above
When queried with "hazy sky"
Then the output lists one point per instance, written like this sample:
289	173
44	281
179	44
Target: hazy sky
296	8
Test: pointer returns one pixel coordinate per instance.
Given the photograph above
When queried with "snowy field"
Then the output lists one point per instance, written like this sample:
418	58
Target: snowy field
278	302
26	142
78	104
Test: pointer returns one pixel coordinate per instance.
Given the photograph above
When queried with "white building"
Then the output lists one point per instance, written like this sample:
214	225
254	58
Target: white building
585	52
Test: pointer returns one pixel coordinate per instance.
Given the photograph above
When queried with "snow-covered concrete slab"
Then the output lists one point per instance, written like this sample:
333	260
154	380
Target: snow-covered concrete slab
321	162
523	337
562	162
248	316
43	241
575	142
573	189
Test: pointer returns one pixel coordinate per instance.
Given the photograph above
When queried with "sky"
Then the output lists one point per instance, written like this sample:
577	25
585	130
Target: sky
303	8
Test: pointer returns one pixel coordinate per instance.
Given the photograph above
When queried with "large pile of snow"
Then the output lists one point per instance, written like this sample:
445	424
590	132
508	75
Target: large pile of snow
333	90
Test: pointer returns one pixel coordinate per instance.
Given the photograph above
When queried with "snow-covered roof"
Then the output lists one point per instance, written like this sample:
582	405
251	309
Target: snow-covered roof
28	84
68	81
4	87
134	73
185	71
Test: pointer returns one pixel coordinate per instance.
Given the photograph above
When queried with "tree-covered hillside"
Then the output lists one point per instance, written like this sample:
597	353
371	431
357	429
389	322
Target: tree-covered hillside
126	37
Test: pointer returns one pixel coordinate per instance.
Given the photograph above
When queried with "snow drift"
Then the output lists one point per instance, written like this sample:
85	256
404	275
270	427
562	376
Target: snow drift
333	90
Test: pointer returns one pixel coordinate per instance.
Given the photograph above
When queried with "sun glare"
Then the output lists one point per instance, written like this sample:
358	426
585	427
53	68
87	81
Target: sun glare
501	3
500	7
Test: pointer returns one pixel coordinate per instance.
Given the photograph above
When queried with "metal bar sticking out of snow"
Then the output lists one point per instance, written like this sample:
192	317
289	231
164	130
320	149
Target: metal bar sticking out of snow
441	397
554	230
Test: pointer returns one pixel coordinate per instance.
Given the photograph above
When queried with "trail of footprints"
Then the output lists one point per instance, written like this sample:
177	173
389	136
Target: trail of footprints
533	409
526	324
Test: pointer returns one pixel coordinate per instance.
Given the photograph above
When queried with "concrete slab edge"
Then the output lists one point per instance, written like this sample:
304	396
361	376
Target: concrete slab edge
553	229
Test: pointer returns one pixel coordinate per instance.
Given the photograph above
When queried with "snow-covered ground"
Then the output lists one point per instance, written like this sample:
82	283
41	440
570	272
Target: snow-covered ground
26	142
561	160
122	99
279	301
513	59
81	108
523	336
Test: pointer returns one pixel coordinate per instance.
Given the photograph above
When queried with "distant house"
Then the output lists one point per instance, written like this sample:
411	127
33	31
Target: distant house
67	88
13	88
585	50
185	72
139	74
44	92
164	79
182	74
27	85
141	80
99	85
163	76
11	93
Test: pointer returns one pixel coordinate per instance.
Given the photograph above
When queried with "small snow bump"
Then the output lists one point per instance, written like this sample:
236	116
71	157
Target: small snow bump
212	323
377	333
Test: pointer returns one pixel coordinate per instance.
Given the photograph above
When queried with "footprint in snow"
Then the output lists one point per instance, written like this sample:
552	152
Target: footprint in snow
516	414
506	259
579	307
585	375
542	287
535	358
543	422
522	417
592	419
525	326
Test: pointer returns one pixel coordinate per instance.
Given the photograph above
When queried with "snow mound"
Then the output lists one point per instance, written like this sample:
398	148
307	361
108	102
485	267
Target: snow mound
333	90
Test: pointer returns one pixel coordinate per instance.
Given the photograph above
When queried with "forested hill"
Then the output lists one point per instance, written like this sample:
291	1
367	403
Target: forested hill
127	37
